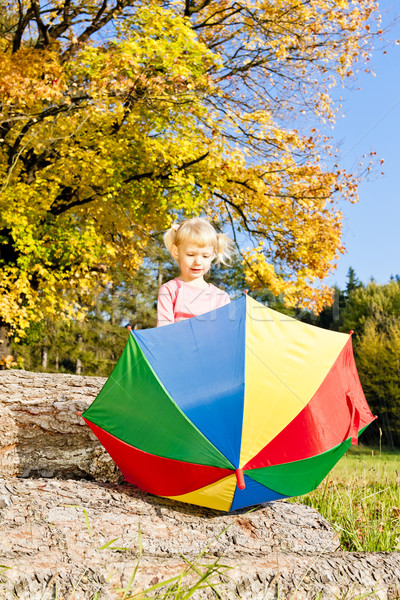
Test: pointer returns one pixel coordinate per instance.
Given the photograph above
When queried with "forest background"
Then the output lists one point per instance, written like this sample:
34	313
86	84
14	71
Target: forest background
119	117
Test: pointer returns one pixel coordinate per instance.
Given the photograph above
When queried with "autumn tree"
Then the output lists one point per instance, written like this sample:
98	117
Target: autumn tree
120	116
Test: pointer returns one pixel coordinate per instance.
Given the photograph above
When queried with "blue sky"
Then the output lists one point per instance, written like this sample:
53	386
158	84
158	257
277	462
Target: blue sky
371	229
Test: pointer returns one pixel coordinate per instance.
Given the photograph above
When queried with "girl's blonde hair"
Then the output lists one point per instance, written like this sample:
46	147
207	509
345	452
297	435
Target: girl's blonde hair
202	233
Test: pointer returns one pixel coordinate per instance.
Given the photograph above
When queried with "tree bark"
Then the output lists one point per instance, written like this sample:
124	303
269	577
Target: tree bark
55	533
53	536
5	346
44	357
41	434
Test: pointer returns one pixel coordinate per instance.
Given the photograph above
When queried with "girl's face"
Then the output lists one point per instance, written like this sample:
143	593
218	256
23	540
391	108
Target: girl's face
194	261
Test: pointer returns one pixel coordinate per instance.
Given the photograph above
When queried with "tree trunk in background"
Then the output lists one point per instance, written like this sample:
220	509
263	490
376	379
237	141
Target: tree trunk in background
159	274
80	539
44	357
112	295
78	368
5	346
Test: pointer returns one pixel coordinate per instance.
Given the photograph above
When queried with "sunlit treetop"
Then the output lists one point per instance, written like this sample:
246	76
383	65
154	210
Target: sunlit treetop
118	118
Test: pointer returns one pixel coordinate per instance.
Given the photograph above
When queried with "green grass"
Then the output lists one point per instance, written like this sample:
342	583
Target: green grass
361	499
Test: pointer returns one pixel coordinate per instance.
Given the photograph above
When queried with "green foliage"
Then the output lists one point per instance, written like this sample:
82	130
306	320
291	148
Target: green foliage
375	303
373	312
378	362
336	316
353	283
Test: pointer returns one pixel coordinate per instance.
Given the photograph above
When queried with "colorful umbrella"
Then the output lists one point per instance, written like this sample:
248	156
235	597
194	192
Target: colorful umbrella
239	406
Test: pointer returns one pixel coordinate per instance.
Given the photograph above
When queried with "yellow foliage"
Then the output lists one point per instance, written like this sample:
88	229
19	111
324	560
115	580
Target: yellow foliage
6	362
111	132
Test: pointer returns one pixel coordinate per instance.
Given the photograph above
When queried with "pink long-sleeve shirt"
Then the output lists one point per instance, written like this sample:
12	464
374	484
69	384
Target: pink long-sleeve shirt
178	300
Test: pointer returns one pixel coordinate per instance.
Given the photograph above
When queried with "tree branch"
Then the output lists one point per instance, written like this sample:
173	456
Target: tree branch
23	21
34	120
191	8
150	174
44	38
96	24
240	211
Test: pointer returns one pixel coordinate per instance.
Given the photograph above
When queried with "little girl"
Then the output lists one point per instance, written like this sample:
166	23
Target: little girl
194	244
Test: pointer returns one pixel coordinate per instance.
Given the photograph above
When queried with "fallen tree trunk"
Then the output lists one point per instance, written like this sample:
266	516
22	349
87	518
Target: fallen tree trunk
55	536
41	434
75	539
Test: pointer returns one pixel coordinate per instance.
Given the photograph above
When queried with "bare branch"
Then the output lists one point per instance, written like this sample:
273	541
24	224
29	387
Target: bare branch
44	38
191	8
244	218
225	12
100	20
23	21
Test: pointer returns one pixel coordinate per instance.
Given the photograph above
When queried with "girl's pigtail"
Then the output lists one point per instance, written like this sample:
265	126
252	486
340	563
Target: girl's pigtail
225	248
170	237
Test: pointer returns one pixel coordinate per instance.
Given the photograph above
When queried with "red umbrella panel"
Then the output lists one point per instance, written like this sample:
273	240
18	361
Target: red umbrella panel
236	407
